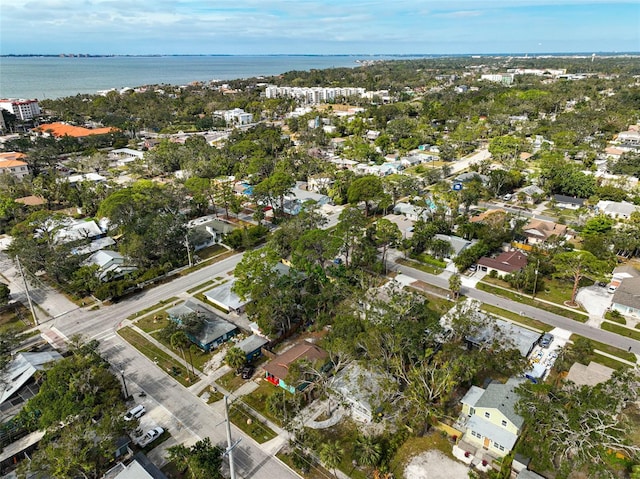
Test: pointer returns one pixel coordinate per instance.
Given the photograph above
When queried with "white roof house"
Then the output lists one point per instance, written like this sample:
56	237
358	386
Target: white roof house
111	264
22	368
617	209
223	296
361	389
78	230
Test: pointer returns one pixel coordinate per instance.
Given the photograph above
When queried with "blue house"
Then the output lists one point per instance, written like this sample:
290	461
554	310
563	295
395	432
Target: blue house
215	330
252	346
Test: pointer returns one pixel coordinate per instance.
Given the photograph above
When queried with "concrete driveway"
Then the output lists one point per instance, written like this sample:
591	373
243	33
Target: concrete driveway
594	299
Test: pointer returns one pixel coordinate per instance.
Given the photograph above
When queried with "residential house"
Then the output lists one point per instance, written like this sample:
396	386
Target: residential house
207	231
80	230
252	346
12	163
531	193
568	202
626	298
223	297
318	183
18	384
404	224
471	176
79	178
458	245
412	212
111	265
31	200
139	468
617	209
215	330
361	389
505	263
277	369
124	156
590	375
491	217
59	130
539	231
492	423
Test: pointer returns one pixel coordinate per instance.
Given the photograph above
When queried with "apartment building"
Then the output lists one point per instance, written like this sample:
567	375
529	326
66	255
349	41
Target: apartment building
21	108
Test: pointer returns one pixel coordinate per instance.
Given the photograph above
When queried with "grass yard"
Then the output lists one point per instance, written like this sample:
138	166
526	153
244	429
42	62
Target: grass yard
615	317
436	303
575	315
200	286
607	361
608	349
515	317
621	330
427	268
159	305
417	445
345	432
152	323
250	424
313	471
157	355
258	400
231	381
16	319
194	354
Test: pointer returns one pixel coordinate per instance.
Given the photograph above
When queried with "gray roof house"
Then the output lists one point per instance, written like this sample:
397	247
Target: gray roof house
626	299
16	384
215	330
111	264
617	209
207	231
491	420
252	346
568	202
457	244
223	296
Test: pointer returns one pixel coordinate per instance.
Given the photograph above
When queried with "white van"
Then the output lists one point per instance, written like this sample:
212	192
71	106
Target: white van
135	413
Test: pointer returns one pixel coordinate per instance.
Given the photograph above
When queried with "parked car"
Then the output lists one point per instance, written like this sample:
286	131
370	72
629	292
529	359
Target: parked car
150	436
545	340
247	372
135	413
507	197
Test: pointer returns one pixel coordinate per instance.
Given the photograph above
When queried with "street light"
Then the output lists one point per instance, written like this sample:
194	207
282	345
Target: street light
124	383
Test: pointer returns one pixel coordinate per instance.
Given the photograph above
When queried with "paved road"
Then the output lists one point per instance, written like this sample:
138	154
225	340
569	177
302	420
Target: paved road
529	311
465	162
188	410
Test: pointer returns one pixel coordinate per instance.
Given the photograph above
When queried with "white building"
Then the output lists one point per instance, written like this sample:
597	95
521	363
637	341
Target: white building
11	163
236	116
23	109
504	78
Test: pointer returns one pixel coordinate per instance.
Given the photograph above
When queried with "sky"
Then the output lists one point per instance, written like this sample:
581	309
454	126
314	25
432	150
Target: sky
252	27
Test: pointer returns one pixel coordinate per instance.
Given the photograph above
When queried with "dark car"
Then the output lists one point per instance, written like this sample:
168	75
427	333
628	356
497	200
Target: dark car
247	372
545	340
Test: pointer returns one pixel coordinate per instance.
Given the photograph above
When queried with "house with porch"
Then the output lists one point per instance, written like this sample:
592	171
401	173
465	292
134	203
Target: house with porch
215	330
626	298
489	419
277	369
538	232
503	264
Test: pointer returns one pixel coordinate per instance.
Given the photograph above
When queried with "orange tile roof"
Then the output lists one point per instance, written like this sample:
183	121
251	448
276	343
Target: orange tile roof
11	155
61	129
10	159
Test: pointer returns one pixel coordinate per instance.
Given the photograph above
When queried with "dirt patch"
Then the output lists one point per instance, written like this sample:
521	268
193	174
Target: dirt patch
435	465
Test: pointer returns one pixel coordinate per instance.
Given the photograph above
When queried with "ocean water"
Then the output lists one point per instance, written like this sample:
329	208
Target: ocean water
54	77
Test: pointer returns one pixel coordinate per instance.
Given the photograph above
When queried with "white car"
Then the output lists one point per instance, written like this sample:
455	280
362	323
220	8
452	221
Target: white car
150	436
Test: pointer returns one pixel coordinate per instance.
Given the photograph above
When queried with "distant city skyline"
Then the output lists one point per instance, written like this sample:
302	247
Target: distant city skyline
262	27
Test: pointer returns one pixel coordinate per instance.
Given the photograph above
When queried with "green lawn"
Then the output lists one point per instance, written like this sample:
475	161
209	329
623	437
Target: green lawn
214	395
159	305
16	319
609	362
250	424
195	354
157	355
615	317
345	432
435	303
231	381
258	400
153	322
427	268
315	471
621	330
532	323
575	315
608	349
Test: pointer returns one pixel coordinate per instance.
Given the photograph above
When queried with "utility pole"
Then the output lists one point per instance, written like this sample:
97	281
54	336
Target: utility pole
26	289
535	281
186	239
124	383
230	446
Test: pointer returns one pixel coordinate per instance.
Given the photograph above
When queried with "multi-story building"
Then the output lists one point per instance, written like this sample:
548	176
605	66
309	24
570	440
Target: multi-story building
236	116
313	95
23	109
11	163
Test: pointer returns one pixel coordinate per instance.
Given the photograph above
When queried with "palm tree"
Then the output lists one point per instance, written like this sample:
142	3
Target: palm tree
235	358
331	454
180	340
367	451
455	283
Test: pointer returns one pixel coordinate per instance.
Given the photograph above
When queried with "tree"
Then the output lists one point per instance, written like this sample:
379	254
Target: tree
367	189
5	294
180	340
576	265
235	358
367	451
331	454
577	428
387	234
200	460
350	229
455	284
